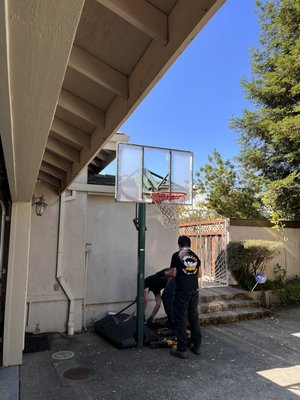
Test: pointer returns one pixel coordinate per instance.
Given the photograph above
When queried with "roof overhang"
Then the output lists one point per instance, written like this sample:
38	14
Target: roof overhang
72	72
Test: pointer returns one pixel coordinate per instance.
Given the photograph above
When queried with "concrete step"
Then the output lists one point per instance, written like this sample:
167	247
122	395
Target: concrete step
222	293
221	305
228	296
233	315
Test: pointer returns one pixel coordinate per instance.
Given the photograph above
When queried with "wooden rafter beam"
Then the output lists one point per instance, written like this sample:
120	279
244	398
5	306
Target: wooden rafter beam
63	150
98	139
98	72
101	161
106	154
101	156
154	62
81	108
48	169
142	15
110	157
38	33
49	179
149	69
92	169
69	133
57	162
97	162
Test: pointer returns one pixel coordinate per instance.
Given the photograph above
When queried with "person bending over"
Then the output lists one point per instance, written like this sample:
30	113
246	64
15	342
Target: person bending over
154	283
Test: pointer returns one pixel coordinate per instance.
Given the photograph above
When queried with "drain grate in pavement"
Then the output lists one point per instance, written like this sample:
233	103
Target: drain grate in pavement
63	355
78	374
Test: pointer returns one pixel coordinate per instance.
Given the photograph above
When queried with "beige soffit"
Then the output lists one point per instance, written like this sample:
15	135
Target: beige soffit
72	73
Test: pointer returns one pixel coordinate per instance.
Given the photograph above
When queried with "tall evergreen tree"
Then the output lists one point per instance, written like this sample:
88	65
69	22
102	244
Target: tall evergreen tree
227	190
270	135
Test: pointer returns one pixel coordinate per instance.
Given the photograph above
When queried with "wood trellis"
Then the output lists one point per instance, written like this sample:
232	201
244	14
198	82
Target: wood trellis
209	241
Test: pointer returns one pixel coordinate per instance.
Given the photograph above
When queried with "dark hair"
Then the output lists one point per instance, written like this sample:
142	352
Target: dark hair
184	241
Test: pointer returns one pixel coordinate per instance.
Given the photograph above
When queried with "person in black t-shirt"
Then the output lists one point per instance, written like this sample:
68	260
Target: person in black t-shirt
186	269
155	284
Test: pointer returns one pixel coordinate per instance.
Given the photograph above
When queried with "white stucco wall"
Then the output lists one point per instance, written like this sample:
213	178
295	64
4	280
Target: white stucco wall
42	283
111	266
289	257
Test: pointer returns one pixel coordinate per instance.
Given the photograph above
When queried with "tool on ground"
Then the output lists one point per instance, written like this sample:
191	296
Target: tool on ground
163	343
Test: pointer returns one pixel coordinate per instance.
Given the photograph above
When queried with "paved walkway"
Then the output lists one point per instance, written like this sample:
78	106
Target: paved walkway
9	383
257	359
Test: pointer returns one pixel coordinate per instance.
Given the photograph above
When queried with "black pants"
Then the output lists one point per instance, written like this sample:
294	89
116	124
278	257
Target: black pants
168	301
186	309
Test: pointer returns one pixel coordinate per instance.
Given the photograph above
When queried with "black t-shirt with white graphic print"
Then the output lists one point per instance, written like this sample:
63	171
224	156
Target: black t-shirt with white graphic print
187	264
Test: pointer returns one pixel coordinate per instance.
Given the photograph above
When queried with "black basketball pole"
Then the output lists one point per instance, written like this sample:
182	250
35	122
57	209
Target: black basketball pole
141	273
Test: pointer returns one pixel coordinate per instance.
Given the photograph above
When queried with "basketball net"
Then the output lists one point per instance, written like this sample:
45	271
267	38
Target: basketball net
168	204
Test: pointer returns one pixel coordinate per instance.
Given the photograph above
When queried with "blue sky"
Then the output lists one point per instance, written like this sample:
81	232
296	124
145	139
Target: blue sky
191	106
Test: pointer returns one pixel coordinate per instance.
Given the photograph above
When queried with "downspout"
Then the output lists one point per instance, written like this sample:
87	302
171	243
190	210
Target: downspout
88	249
59	277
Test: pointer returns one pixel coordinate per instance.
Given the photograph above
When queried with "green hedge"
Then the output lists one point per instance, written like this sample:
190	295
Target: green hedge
290	293
246	258
288	289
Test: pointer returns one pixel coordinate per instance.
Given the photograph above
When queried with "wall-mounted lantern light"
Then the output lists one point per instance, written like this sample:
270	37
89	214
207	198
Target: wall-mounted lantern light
40	205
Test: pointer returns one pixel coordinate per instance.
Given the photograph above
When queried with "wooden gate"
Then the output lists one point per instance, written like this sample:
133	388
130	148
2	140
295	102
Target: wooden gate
209	241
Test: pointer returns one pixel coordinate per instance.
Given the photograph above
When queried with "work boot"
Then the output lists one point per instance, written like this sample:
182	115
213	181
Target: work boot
195	349
178	354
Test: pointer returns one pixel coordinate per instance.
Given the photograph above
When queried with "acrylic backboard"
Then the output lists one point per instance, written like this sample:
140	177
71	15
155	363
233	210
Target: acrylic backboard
142	170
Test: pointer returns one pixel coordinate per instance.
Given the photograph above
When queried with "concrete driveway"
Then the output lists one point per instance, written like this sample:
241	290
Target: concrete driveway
257	359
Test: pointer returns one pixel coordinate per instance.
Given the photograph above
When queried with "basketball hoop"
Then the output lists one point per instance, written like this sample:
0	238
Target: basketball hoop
168	204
